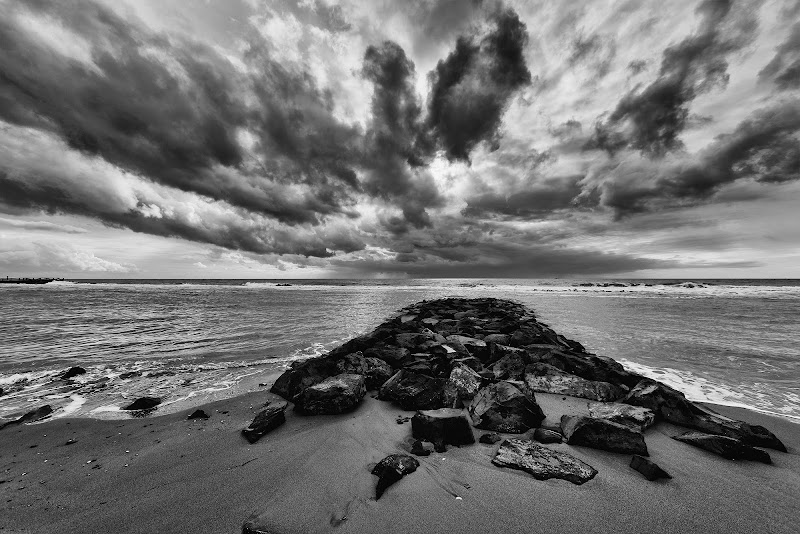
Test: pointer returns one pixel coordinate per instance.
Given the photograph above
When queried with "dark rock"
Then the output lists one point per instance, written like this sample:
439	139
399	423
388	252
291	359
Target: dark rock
753	435
461	387
439	446
334	395
131	374
542	435
352	363
393	355
72	372
391	469
34	415
475	347
378	372
490	438
413	391
143	403
526	335
500	339
267	420
502	407
591	367
303	374
635	417
198	414
541	462
602	434
411	340
445	425
650	470
546	378
511	366
419	449
730	448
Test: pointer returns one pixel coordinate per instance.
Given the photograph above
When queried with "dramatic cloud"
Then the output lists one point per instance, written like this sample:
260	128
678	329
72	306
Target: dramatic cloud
784	69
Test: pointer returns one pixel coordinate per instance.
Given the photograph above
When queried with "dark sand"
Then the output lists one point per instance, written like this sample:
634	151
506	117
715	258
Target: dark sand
167	474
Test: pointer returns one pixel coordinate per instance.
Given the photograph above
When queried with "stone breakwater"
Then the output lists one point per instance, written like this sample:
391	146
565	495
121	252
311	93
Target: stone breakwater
464	363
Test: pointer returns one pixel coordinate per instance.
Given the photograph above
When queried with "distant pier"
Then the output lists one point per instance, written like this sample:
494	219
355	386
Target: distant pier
8	280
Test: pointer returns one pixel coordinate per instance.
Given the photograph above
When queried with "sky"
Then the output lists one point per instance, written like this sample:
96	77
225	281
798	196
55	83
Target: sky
378	139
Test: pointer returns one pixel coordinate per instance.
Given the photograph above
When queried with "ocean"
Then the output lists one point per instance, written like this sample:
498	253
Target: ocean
734	342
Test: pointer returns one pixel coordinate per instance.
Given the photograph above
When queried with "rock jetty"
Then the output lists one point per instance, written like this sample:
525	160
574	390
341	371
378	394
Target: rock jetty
464	363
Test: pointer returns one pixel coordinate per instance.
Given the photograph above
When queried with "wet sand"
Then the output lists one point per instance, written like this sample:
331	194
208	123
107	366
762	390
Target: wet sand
169	474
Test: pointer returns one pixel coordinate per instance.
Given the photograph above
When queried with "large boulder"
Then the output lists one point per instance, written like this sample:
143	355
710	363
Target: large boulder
511	366
391	354
541	462
602	434
352	363
753	435
303	374
546	378
73	372
34	415
635	417
413	391
445	425
591	367
271	417
334	395
475	347
378	372
503	407
730	448
391	469
143	403
461	387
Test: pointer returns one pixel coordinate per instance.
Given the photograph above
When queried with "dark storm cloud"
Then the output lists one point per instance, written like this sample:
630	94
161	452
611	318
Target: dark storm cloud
472	87
764	148
537	199
170	109
784	69
651	119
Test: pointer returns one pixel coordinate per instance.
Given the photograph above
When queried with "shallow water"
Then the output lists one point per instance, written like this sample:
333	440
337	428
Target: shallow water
729	342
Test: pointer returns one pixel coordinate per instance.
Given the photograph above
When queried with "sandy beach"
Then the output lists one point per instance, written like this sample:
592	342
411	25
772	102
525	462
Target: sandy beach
170	474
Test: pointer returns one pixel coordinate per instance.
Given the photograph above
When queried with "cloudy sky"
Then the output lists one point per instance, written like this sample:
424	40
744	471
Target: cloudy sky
445	138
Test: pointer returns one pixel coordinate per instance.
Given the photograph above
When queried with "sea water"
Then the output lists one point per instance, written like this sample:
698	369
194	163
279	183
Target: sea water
733	342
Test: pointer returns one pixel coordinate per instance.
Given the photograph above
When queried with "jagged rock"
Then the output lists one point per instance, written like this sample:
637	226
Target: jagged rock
303	374
352	363
461	387
504	408
541	462
143	403
29	417
72	372
545	378
490	438
511	366
267	420
526	335
419	449
668	404
378	372
591	367
393	355
542	435
649	469
500	339
411	340
198	414
413	391
635	417
602	434
445	425
730	448
753	435
391	469
334	395
475	347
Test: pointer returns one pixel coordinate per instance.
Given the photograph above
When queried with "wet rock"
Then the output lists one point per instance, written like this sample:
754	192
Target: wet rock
391	469
461	387
500	339
267	420
526	335
542	435
419	449
511	366
198	414
545	378
475	347
352	363
602	434
411	340
143	403
72	372
649	469
334	395
753	435
635	417
730	448
34	415
541	462
395	356
303	374
490	438
445	425
591	367
412	391
378	372
502	407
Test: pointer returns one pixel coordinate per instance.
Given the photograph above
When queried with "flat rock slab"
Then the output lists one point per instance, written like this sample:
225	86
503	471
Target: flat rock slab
445	425
391	469
730	448
334	395
546	378
636	417
541	462
267	420
602	434
542	435
649	469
